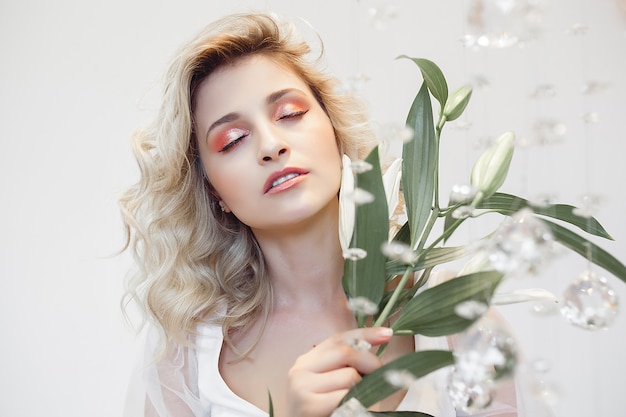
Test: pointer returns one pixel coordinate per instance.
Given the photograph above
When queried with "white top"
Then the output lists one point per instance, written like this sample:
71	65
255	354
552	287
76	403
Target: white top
187	383
215	393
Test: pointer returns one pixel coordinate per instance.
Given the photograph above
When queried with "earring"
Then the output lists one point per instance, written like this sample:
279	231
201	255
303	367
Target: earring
221	204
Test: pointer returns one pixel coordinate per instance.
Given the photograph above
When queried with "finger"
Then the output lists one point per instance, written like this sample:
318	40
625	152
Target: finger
312	394
348	349
335	380
336	356
373	336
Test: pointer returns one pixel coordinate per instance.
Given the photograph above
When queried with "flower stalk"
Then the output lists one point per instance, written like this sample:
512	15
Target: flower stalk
433	311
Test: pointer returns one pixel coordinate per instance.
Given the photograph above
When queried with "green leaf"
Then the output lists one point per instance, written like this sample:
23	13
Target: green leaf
271	406
419	164
404	297
404	234
374	387
588	250
433	77
366	277
508	204
431	258
431	312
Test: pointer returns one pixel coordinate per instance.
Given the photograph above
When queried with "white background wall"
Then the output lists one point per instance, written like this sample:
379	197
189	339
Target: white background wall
76	77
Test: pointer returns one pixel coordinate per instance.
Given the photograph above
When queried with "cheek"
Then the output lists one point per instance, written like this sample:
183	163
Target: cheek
328	156
330	151
325	137
225	181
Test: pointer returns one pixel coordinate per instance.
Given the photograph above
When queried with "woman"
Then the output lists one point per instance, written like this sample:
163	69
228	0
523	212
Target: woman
233	225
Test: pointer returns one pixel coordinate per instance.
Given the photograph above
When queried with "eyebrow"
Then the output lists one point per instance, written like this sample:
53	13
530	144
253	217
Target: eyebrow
271	99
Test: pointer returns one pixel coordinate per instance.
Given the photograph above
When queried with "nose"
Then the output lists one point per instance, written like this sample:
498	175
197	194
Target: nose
271	145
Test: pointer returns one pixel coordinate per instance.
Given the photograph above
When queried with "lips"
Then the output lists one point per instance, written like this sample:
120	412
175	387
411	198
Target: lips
283	179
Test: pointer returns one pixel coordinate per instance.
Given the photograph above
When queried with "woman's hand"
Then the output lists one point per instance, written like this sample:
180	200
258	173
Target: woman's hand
320	378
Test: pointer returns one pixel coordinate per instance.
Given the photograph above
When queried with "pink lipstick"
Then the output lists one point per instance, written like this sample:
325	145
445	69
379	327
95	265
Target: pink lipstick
283	180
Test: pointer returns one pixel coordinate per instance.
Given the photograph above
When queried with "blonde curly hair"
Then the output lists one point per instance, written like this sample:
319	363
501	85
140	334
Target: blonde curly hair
194	262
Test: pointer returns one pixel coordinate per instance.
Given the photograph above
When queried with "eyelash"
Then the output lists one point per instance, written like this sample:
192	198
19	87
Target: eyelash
233	142
292	115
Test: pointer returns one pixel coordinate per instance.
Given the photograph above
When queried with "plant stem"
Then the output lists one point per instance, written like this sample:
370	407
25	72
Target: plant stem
437	139
434	214
394	297
446	233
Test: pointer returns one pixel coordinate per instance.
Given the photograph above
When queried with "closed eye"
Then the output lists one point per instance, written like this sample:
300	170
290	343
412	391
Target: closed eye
230	144
234	137
293	115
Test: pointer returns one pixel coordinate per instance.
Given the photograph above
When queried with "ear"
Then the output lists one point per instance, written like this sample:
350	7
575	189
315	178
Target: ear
224	206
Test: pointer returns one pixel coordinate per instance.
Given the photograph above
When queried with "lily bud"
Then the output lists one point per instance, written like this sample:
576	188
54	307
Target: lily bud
457	102
492	166
522	296
477	263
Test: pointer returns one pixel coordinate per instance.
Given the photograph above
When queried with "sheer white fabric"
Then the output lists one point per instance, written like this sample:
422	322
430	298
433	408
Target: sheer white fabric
167	387
174	387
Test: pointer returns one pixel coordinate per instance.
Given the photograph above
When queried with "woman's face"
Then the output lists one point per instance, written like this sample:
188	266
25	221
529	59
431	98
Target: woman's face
267	146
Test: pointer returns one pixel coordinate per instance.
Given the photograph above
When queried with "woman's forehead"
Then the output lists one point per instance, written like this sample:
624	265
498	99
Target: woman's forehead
248	82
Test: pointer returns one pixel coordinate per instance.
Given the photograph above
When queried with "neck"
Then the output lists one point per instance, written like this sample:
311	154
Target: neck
304	261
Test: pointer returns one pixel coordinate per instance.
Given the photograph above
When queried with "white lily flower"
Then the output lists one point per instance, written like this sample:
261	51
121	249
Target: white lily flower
346	204
522	296
391	183
477	263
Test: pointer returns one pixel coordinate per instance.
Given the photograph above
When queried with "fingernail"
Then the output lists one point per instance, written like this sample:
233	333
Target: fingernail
386	331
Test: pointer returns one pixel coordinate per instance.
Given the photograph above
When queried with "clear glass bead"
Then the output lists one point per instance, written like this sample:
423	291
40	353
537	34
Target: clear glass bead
486	351
362	306
354	254
578	29
593	87
544	91
462	192
591	117
589	302
469	396
521	246
548	131
463	212
400	378
359	167
382	17
398	251
359	196
396	133
470	309
351	408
